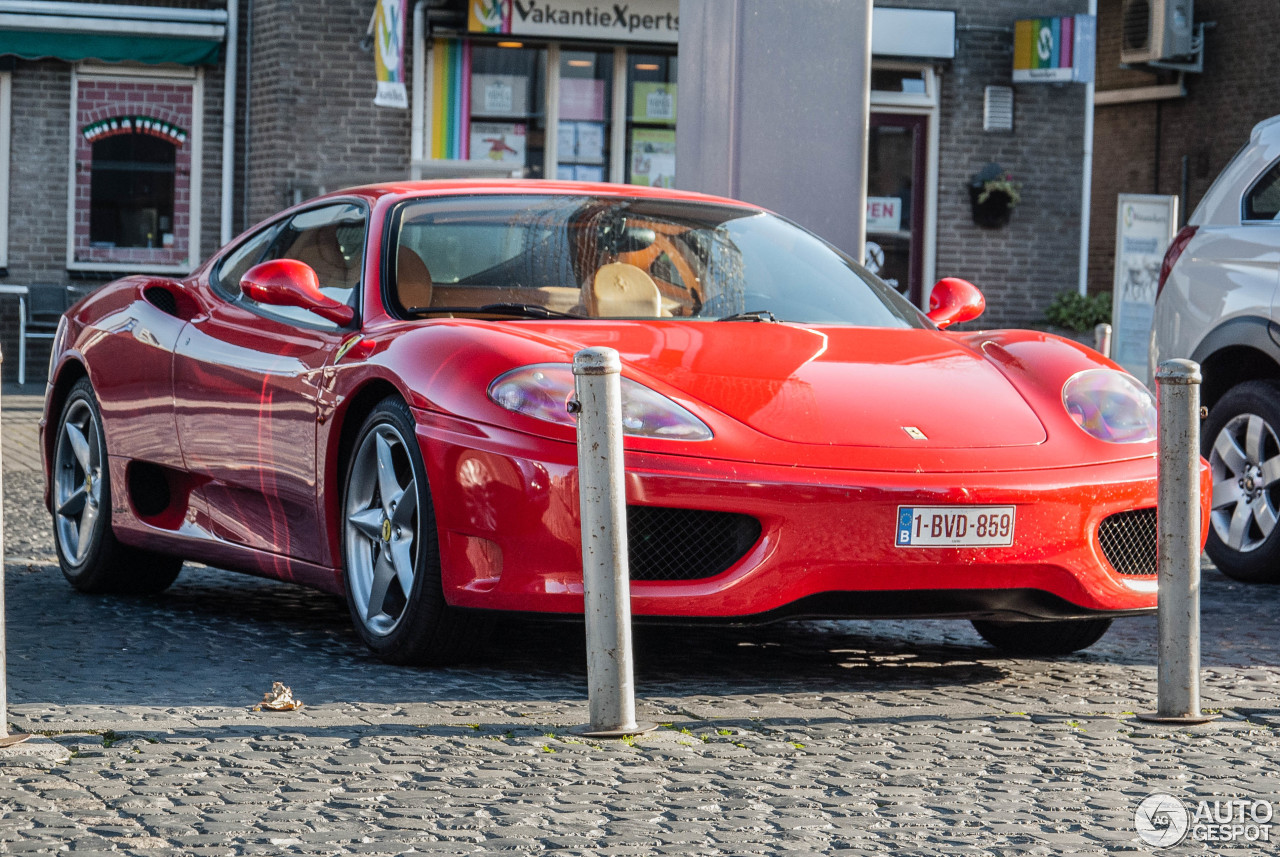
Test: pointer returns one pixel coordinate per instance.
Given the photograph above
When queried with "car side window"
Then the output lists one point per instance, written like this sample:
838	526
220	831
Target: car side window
331	241
240	260
1262	202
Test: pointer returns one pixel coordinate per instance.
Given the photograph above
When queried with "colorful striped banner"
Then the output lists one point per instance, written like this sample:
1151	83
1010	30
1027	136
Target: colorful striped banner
450	95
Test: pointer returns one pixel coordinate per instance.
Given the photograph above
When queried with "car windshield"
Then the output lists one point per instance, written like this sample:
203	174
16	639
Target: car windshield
529	256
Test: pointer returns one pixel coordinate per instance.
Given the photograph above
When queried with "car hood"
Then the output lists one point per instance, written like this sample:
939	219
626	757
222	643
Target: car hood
827	385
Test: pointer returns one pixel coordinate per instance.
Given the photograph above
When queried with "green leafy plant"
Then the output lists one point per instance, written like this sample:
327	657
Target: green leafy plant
1005	185
1078	312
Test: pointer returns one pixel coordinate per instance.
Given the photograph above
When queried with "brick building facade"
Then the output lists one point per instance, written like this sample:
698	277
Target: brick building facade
1159	132
304	121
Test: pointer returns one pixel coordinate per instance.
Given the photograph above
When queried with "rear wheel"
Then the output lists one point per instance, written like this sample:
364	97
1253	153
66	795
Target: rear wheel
1057	637
91	558
1240	442
391	553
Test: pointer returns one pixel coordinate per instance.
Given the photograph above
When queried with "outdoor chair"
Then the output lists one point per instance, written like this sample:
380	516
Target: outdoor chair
43	305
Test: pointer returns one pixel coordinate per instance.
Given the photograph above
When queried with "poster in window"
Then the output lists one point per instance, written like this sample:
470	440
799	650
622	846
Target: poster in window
591	142
567	141
581	99
503	142
653	157
654	103
499	95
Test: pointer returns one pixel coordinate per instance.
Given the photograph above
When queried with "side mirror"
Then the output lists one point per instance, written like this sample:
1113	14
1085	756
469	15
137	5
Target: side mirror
288	282
954	300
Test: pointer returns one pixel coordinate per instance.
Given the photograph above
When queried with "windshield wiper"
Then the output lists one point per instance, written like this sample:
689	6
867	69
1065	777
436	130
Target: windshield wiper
751	315
526	310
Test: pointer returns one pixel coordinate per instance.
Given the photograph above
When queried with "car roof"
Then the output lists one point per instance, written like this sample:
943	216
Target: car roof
532	187
1221	205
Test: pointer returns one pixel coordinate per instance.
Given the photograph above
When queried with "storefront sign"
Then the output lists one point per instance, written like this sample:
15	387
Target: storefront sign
1054	50
1144	227
389	23
629	20
884	214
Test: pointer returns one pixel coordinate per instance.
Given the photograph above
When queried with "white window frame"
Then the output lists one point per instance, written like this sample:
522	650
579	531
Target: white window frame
6	135
177	75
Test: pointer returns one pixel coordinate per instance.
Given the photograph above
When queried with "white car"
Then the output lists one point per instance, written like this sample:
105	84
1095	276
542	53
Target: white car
1217	304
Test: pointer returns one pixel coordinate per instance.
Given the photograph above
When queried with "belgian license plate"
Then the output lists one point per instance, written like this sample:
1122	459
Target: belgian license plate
955	526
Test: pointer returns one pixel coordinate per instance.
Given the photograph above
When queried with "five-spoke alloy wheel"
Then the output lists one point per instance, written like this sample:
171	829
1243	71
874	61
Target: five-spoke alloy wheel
391	557
1240	442
91	557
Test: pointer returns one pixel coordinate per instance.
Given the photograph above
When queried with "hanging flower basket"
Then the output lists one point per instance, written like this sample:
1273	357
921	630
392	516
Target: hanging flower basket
993	194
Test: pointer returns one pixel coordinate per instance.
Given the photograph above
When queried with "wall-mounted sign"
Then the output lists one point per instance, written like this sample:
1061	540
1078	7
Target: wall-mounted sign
1144	227
633	21
1054	50
913	33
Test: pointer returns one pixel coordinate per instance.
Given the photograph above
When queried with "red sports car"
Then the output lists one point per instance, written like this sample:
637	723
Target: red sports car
367	394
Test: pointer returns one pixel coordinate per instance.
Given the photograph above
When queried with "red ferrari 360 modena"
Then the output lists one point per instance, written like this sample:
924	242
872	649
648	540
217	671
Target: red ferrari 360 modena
367	394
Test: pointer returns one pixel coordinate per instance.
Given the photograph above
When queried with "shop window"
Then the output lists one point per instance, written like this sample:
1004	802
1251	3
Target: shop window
131	206
586	107
508	121
131	192
651	119
906	81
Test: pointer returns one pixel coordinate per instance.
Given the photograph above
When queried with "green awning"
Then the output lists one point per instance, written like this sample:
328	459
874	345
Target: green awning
109	47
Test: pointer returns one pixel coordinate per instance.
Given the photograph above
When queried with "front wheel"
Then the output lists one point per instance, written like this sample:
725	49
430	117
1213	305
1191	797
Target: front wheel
1055	637
1240	442
391	553
80	488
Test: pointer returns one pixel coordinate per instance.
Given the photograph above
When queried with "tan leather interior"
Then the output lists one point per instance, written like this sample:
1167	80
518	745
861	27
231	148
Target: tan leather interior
321	249
413	279
620	290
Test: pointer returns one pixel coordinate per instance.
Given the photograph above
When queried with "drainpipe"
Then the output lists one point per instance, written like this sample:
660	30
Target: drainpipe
1086	172
417	115
229	120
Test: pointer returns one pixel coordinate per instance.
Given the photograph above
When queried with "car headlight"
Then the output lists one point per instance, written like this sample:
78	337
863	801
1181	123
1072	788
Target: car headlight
1111	406
542	391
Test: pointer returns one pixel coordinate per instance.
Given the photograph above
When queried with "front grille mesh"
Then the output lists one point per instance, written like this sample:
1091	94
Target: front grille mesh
686	544
1129	541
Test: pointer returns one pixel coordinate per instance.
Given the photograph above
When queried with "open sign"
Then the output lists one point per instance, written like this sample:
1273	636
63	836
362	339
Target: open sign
884	214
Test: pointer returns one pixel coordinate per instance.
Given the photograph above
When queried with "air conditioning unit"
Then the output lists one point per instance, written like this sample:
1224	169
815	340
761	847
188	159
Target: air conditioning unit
1155	30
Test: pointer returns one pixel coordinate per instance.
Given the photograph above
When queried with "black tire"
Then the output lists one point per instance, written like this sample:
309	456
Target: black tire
92	559
1046	639
1240	438
386	545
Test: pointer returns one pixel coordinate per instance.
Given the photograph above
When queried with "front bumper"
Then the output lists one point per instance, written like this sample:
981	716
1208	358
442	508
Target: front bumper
506	510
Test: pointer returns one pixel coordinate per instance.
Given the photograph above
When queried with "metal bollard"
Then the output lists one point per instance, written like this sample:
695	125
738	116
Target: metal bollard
1102	339
1178	544
606	586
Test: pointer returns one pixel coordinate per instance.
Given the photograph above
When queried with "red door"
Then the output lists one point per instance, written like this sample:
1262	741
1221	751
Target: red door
247	383
895	201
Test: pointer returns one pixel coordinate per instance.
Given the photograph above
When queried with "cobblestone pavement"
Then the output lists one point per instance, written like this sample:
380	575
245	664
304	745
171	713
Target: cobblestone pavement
802	738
